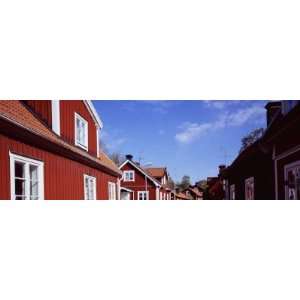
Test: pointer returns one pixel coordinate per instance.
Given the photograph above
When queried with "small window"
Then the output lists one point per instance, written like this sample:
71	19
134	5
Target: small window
128	175
143	195
249	188
292	180
112	191
81	132
27	178
232	192
89	188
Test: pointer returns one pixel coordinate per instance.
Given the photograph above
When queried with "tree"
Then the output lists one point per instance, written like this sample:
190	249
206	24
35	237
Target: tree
171	184
251	138
185	182
117	158
202	184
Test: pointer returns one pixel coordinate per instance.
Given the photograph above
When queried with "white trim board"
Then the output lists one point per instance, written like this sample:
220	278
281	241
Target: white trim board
139	169
90	106
55	111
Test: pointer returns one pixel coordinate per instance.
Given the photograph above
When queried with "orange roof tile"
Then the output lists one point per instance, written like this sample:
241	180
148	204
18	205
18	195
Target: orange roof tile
156	172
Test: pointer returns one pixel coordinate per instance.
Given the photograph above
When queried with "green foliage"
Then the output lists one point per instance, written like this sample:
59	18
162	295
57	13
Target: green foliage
251	138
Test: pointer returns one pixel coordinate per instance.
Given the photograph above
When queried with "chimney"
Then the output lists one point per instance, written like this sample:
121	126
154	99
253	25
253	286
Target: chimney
129	156
272	109
221	168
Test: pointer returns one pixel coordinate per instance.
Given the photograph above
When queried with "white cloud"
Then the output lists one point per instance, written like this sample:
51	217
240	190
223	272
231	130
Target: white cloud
220	104
192	131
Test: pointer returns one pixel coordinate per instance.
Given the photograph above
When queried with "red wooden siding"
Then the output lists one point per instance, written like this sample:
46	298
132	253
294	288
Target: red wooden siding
67	122
139	184
42	108
63	177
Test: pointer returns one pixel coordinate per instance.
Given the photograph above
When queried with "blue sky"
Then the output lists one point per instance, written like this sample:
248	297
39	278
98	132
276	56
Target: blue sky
189	137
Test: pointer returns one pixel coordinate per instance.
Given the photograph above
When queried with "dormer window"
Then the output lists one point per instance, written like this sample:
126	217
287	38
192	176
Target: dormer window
81	132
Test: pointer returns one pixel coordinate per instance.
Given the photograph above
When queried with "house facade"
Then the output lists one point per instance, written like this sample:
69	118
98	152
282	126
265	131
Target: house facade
139	183
282	140
50	150
161	174
250	176
269	168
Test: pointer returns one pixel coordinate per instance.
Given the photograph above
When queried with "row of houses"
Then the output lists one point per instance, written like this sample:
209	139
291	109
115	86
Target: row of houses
270	167
50	150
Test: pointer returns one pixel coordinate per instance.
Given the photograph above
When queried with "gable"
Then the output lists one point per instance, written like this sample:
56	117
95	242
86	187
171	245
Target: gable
140	174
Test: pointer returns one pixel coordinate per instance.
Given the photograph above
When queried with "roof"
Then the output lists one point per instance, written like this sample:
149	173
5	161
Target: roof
182	196
157	172
15	112
142	170
195	191
280	124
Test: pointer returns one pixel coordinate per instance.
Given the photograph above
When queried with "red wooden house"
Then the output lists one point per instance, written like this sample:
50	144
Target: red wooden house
140	183
50	150
161	175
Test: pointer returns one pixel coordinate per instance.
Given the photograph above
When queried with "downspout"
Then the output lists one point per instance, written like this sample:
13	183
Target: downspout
275	169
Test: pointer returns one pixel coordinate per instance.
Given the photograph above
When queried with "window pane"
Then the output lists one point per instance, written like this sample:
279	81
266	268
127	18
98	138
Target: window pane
33	171
20	197
19	169
19	187
86	183
34	190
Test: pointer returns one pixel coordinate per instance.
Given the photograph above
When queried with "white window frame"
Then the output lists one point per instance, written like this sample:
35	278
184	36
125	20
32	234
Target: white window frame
143	192
287	168
249	180
232	192
129	172
112	194
27	161
94	180
77	143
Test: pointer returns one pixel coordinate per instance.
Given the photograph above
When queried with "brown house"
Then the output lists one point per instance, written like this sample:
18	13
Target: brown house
283	142
269	168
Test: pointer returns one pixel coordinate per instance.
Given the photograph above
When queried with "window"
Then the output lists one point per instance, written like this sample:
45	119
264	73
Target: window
128	175
111	191
143	195
292	180
249	188
232	192
81	132
89	188
27	178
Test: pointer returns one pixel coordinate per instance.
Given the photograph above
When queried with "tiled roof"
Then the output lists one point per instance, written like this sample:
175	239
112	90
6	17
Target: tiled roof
182	196
15	112
195	191
156	172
